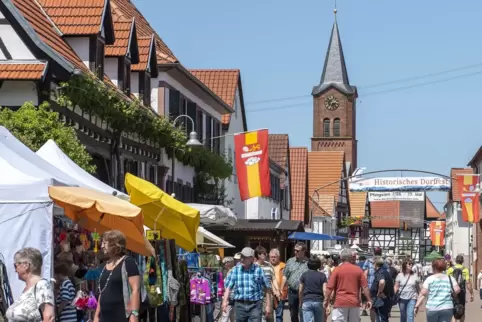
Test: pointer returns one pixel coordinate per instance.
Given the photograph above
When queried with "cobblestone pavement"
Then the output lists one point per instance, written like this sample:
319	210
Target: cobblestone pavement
473	313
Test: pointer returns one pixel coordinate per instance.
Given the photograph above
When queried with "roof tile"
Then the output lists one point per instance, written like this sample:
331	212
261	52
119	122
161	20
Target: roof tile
75	17
324	207
299	176
223	82
454	193
385	214
122	30
127	10
44	29
358	202
430	210
278	145
325	168
22	71
144	44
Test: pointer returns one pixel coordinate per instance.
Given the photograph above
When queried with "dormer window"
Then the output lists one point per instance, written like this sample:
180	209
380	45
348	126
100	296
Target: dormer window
145	88
124	70
99	58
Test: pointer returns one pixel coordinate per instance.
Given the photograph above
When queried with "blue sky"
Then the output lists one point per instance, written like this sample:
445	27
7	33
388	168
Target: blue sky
279	46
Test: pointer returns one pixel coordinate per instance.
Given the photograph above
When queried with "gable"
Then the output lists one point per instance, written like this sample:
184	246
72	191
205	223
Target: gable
299	170
325	168
12	47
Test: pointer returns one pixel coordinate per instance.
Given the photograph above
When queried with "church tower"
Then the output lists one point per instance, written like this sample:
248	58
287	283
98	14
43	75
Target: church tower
334	105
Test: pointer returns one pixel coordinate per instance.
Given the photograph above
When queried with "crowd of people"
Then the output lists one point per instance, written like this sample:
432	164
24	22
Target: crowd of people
345	286
258	285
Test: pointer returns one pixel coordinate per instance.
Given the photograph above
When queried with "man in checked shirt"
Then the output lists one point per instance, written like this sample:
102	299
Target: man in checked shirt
250	287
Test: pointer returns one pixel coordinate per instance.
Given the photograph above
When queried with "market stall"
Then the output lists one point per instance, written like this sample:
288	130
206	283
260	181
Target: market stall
51	153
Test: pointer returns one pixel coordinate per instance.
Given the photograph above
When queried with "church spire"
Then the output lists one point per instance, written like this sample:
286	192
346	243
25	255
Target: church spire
334	70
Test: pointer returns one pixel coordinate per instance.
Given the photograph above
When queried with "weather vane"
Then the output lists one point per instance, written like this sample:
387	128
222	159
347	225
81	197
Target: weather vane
335	10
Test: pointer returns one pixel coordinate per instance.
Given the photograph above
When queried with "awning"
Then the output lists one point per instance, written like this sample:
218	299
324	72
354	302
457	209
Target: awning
207	238
313	236
265	224
99	212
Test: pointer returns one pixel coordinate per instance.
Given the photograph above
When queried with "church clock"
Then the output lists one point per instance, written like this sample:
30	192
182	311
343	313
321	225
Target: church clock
331	103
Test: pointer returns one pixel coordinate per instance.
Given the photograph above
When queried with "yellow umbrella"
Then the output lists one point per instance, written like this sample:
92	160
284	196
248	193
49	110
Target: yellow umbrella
162	212
100	212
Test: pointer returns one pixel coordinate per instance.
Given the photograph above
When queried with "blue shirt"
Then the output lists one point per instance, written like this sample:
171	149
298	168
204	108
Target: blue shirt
247	284
370	267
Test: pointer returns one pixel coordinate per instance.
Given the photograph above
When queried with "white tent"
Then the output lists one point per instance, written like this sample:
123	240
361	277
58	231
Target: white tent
51	153
215	215
208	239
25	207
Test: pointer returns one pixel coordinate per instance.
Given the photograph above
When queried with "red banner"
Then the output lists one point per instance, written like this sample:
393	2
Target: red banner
252	164
437	233
469	198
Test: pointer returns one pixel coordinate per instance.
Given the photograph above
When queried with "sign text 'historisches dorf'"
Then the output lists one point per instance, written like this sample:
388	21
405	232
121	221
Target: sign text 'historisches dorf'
252	164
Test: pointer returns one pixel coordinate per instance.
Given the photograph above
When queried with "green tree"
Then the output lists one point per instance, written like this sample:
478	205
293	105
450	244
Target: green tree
36	125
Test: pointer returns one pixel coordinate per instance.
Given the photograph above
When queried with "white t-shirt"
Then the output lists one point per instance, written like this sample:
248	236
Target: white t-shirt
26	307
479	278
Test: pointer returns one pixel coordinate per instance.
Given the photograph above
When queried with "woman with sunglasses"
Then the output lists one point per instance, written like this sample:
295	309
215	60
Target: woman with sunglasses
36	303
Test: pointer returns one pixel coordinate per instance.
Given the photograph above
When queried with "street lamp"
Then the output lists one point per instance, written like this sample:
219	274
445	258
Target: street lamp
193	141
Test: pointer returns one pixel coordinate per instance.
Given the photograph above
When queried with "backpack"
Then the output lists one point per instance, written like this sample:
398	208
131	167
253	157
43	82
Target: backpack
458	275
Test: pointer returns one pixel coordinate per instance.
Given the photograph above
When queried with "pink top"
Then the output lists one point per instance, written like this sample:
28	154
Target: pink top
220	284
200	291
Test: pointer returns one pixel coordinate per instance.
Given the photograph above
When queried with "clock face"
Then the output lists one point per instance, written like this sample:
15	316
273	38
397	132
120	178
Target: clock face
331	103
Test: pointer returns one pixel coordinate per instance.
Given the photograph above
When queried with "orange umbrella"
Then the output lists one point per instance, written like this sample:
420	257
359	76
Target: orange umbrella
99	212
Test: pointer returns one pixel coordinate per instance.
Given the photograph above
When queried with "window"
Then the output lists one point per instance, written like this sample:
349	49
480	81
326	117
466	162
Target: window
326	127
146	93
127	77
174	104
99	59
199	125
216	134
191	112
336	127
209	126
124	77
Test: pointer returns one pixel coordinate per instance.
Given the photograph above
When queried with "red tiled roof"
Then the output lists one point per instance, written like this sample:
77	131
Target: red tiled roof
326	206
299	175
75	17
278	145
223	83
122	29
454	194
325	168
144	44
127	10
385	214
430	210
358	201
22	71
44	29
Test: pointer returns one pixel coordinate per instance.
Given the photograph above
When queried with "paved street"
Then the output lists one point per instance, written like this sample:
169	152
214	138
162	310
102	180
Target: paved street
473	314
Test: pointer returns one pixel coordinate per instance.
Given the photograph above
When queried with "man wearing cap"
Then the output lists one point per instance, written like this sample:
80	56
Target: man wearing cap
250	286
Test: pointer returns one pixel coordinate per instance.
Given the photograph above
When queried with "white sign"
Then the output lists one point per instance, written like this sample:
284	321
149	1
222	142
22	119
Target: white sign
401	184
396	195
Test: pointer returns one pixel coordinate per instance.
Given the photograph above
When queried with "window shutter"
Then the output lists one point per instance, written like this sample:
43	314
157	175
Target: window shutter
174	104
191	112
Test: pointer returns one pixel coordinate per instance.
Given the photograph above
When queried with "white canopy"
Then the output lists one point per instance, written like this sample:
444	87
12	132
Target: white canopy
26	161
213	240
25	207
201	236
51	153
215	215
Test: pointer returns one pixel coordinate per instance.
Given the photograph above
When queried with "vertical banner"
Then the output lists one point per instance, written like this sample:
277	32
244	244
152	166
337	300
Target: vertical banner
469	198
437	233
252	164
